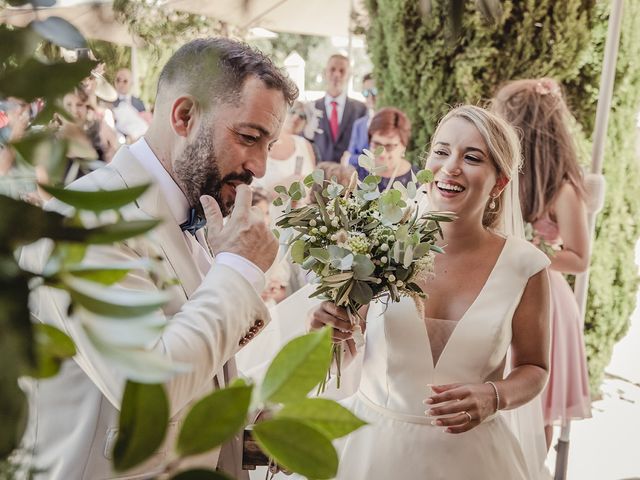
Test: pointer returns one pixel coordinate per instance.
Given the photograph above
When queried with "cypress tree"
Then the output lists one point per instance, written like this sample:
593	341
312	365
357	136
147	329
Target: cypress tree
422	70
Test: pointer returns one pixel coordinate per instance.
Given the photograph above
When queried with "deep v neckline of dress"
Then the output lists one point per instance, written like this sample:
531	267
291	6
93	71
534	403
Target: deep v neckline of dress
465	315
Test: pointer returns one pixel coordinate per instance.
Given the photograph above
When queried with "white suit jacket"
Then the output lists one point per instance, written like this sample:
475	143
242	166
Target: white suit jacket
74	415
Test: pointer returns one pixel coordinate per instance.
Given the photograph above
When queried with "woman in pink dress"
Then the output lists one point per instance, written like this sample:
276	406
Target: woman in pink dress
552	198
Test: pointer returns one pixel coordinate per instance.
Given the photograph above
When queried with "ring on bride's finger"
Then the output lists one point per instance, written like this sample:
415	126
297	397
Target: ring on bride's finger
468	415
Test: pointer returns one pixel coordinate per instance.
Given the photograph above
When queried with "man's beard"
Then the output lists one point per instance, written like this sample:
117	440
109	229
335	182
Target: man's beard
198	173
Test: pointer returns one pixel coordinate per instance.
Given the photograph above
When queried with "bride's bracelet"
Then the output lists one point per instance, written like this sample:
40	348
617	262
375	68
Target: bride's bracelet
495	389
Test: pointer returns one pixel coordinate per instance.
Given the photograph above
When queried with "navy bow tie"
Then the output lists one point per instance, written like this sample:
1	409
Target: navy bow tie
194	223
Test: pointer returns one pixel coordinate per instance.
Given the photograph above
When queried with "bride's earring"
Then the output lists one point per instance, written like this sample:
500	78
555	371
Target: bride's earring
492	205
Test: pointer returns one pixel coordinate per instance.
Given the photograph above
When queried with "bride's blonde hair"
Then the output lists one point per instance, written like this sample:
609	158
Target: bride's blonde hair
503	144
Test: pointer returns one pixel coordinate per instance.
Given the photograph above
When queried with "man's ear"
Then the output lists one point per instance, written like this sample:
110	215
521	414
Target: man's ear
184	114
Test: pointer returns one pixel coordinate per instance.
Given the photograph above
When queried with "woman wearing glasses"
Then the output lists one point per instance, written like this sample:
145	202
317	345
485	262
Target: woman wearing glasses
390	129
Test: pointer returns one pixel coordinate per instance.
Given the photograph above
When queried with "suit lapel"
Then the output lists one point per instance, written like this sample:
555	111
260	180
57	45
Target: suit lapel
171	238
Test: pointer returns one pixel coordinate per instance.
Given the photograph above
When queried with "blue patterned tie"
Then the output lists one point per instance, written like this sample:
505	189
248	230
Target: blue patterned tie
194	223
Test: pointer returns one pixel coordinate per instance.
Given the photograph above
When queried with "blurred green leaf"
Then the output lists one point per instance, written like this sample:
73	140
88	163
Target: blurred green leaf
113	302
42	3
297	368
52	348
27	81
214	419
200	474
117	232
59	32
144	417
20	42
96	201
425	176
108	274
297	251
327	416
297	447
138	363
13	414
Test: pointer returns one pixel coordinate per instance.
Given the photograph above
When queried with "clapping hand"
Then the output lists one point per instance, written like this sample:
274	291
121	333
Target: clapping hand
466	405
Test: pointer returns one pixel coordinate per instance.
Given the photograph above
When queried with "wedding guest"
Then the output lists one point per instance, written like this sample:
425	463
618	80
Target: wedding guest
101	136
360	133
390	129
219	106
489	296
553	201
123	83
339	112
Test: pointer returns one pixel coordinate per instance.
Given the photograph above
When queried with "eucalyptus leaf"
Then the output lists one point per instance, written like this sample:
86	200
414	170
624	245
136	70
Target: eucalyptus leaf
214	419
362	267
200	474
318	176
361	293
144	417
113	302
96	201
297	447
297	368
323	414
52	348
320	254
59	32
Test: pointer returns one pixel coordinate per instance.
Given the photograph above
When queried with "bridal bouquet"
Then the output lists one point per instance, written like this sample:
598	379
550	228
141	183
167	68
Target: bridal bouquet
360	243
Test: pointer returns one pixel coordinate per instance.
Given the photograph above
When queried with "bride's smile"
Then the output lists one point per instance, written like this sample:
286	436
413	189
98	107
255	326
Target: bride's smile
465	173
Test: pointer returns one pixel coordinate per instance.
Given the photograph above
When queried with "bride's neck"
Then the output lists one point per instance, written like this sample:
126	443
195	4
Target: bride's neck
458	235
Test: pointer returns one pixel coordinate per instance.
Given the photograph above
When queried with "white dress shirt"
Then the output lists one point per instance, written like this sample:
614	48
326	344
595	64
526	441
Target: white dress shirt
341	101
179	206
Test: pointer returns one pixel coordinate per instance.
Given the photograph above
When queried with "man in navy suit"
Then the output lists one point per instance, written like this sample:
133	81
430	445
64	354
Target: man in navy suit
123	86
339	112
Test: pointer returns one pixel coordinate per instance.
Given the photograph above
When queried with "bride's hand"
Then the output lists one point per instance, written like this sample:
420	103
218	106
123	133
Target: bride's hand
328	313
470	405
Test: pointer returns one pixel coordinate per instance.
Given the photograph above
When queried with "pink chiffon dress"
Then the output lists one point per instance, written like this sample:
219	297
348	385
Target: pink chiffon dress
566	396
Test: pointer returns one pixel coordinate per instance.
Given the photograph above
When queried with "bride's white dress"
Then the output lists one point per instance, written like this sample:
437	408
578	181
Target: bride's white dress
400	442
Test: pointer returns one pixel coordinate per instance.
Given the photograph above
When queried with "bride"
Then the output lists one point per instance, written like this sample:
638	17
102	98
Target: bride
436	380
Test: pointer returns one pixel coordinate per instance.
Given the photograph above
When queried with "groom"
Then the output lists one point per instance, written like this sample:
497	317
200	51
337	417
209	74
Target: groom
220	106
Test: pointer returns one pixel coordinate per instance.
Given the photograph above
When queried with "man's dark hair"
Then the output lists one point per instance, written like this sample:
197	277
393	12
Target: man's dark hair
368	76
215	69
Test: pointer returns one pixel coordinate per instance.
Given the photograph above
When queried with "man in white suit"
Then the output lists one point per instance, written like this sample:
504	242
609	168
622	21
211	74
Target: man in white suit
220	106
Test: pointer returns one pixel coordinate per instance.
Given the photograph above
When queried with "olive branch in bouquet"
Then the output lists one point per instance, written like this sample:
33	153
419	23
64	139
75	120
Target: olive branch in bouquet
361	244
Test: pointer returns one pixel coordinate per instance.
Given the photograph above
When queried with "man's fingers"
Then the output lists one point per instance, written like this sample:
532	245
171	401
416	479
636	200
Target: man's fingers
212	213
242	204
